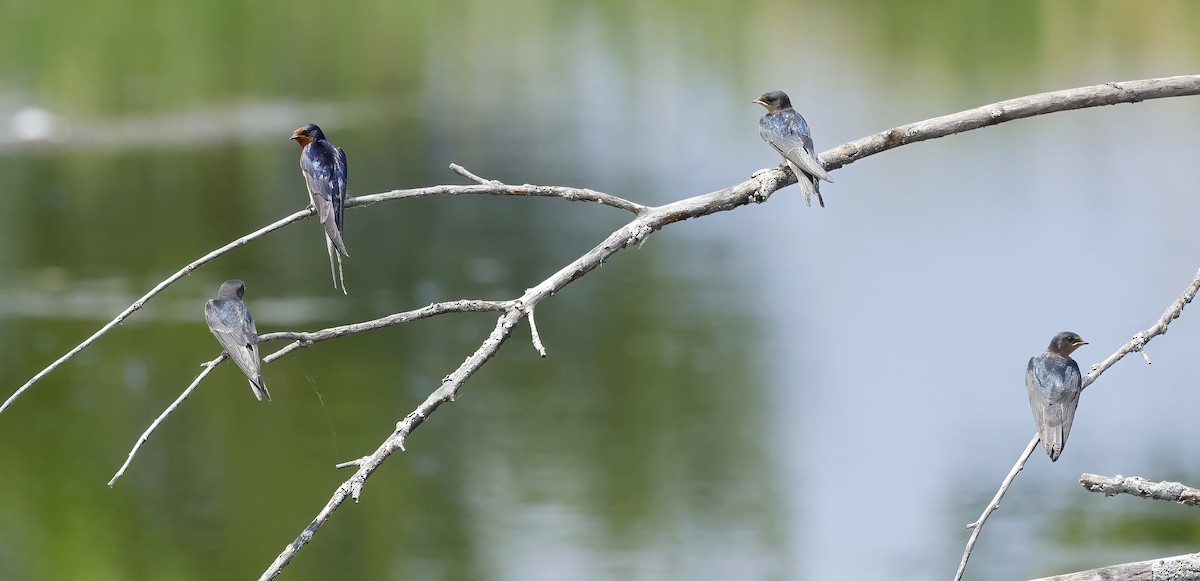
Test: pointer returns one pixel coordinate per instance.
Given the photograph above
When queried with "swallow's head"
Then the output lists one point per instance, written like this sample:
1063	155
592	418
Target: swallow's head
232	289
307	134
1065	343
774	101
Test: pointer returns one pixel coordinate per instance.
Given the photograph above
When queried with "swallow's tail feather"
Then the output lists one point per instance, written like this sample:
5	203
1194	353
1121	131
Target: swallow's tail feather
1054	430
1053	441
260	389
333	233
331	221
335	269
808	185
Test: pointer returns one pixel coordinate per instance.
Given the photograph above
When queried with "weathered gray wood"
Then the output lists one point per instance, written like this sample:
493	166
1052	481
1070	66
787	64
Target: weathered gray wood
1178	568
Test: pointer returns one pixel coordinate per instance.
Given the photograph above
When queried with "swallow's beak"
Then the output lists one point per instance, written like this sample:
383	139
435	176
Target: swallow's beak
295	136
1077	344
760	102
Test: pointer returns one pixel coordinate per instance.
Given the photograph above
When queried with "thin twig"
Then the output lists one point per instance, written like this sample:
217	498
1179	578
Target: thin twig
537	339
208	367
994	504
464	172
355	462
1114	485
488	187
301	340
1138	343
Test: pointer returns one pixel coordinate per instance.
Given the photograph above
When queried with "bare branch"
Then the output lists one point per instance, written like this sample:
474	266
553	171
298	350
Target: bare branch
1178	567
494	188
301	340
1138	343
208	367
993	505
1114	485
451	386
306	339
1011	110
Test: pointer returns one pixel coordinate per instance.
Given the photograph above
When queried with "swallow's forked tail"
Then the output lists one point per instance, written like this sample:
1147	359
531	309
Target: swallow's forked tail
808	185
260	389
335	270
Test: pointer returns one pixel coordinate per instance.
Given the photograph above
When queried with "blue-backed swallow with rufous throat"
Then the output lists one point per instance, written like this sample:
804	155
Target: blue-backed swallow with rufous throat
324	169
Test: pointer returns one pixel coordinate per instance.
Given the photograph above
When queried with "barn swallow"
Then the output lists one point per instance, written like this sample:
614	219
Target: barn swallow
231	324
324	169
787	132
1054	382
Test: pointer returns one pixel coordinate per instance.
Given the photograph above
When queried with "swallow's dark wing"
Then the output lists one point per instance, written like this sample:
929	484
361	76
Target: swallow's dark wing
1038	400
1068	399
341	172
231	324
319	164
788	133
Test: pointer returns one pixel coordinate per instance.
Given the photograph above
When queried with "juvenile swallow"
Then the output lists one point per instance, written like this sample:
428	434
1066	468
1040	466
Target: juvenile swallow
787	132
324	169
1054	382
231	324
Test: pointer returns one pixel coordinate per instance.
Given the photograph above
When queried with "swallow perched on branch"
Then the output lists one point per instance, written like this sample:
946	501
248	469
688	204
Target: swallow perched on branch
787	132
1054	383
324	169
231	324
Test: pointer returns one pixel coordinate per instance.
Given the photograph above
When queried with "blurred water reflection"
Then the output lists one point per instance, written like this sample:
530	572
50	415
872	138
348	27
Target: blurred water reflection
775	393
